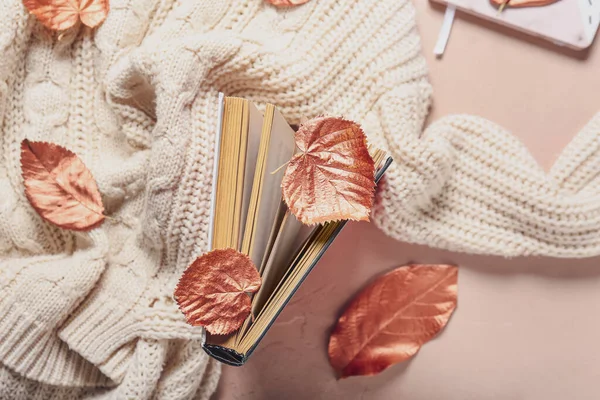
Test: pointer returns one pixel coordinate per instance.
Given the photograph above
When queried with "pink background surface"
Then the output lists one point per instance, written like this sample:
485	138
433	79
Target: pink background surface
525	328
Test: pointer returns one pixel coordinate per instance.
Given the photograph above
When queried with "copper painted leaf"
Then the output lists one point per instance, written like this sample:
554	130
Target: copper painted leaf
333	175
287	3
212	292
389	320
60	187
522	3
63	14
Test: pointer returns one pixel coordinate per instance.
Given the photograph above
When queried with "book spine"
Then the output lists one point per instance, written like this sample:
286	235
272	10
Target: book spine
224	355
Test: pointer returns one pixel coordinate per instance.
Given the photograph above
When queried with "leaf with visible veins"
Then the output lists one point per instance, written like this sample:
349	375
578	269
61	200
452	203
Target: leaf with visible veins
59	186
63	14
333	175
212	292
389	321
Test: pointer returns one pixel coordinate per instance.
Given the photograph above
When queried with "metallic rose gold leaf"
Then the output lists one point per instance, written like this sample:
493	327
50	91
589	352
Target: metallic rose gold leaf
63	14
287	3
389	320
60	187
212	290
333	175
523	3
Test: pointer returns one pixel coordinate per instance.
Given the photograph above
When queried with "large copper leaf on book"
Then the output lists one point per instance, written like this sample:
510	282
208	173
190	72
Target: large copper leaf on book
63	14
212	292
333	175
392	318
60	187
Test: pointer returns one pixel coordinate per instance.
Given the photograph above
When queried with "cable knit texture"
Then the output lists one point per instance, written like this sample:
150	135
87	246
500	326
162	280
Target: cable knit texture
91	315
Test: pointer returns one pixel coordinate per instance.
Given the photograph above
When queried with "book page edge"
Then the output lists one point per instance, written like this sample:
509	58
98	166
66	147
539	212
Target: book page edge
213	197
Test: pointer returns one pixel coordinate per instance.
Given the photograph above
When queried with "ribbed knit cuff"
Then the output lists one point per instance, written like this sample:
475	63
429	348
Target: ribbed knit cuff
36	295
107	324
103	331
36	353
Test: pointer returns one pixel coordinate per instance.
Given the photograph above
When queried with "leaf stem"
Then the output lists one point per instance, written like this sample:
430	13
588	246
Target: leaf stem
279	169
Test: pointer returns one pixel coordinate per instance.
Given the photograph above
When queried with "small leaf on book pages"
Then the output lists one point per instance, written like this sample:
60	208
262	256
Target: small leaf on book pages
287	3
522	3
60	187
392	318
212	292
333	175
59	15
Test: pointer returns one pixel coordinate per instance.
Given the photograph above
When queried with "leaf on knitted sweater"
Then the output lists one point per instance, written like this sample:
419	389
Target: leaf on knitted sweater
60	187
333	175
287	3
212	292
63	14
392	318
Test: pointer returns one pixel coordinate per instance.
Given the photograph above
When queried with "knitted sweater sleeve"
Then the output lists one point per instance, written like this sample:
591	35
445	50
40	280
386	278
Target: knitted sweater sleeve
471	186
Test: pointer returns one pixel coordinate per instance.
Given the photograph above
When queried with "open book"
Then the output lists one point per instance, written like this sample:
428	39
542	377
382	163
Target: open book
249	215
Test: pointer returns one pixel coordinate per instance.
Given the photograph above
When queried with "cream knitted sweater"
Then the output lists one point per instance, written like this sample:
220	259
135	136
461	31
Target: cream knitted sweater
92	315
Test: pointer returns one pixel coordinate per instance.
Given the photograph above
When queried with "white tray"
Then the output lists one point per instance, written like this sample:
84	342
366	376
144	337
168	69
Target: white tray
571	23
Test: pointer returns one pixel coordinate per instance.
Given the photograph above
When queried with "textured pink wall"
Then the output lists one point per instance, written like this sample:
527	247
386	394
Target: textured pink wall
524	328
